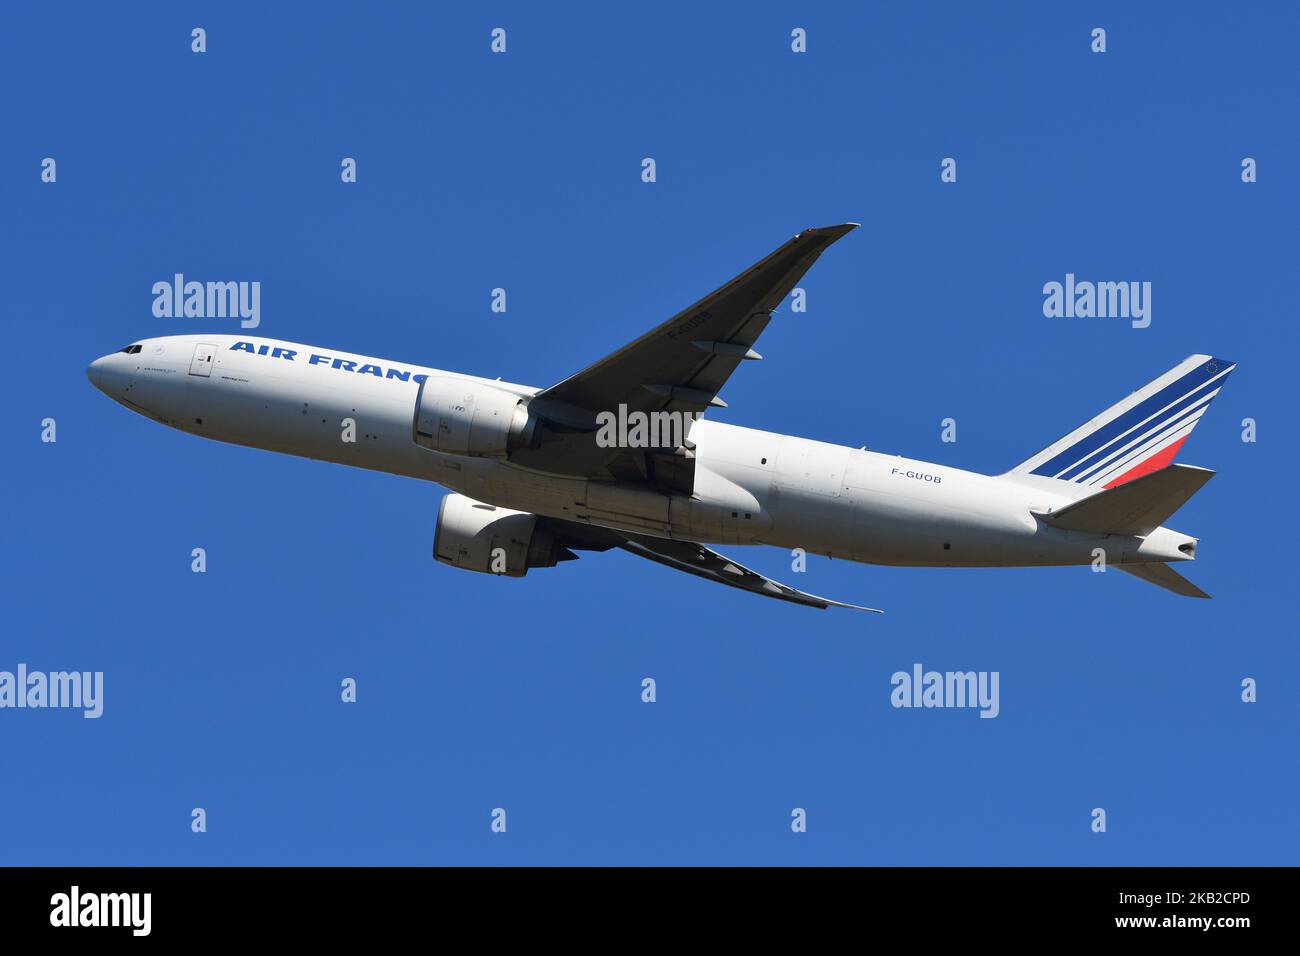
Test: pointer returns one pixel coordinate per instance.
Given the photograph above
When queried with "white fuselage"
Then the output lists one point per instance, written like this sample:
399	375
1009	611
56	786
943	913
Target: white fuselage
751	487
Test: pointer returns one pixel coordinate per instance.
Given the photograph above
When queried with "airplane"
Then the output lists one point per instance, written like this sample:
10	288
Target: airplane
620	454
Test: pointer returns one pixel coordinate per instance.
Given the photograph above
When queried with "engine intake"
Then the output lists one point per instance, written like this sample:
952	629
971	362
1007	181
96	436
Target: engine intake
480	537
459	417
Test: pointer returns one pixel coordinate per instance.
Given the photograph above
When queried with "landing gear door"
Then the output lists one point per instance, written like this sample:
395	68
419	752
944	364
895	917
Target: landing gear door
203	358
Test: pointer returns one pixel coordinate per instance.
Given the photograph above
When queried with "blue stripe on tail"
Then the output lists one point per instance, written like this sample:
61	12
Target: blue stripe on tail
1073	458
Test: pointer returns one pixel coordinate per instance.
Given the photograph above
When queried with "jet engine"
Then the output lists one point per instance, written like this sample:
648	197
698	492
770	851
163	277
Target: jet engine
480	537
461	417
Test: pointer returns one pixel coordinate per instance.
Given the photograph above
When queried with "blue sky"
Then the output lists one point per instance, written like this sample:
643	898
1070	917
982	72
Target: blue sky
522	171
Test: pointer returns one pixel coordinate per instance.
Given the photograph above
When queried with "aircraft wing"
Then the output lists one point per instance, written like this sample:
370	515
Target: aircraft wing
706	563
678	367
689	557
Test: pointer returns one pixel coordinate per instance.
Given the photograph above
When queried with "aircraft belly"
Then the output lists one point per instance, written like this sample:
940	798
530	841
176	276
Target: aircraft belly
897	511
720	513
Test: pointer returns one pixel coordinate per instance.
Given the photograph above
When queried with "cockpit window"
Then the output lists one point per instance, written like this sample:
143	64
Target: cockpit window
132	349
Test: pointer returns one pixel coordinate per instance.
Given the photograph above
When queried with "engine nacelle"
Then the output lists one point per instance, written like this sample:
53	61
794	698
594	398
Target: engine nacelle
480	537
459	417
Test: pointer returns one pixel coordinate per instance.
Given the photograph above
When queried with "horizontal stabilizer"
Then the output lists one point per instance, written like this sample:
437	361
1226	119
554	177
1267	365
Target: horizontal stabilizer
1163	576
1136	507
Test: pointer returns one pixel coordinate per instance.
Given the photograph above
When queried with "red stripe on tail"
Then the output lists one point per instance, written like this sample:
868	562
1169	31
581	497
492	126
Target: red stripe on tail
1154	463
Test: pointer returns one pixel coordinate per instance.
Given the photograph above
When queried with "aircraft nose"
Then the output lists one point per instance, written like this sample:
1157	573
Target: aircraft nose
95	371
